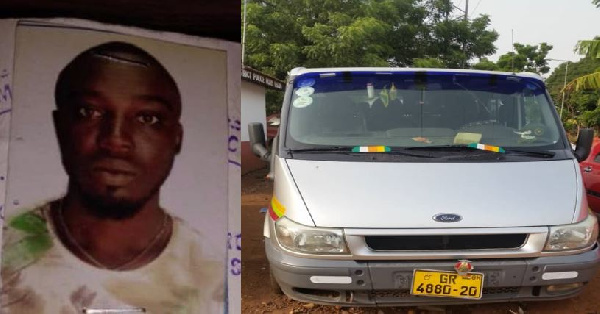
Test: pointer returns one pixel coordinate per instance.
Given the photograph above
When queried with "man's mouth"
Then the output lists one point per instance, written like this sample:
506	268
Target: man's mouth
113	175
114	170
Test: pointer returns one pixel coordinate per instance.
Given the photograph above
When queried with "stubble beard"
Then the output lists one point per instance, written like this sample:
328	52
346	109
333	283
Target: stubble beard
105	205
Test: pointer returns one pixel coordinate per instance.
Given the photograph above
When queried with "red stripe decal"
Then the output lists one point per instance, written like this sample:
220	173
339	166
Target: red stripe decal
273	214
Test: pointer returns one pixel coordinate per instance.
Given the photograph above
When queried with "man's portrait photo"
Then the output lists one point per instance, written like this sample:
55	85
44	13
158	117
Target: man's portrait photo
117	176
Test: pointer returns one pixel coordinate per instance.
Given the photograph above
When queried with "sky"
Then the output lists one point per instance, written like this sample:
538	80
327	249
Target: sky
560	23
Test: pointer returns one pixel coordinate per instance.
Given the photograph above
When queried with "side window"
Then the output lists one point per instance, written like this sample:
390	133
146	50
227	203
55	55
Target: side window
597	158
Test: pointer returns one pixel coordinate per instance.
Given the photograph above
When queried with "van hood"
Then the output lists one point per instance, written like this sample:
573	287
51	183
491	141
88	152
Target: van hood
408	195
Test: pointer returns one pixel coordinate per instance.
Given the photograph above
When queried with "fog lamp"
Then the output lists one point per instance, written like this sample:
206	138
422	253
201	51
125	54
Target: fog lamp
567	287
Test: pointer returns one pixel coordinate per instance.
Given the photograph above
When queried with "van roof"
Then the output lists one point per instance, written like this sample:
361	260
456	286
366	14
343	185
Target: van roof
301	70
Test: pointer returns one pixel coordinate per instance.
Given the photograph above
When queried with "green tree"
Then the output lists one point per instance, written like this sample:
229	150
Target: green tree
283	34
428	63
273	38
525	58
405	26
583	90
456	41
346	41
528	58
485	64
556	80
591	49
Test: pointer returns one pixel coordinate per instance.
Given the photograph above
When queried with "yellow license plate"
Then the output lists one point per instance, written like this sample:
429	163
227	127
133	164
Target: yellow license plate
437	283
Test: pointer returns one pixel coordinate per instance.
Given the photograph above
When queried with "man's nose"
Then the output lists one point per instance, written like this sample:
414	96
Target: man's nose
115	136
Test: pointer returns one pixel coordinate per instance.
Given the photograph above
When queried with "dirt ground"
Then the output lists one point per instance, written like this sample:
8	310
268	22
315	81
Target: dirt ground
258	298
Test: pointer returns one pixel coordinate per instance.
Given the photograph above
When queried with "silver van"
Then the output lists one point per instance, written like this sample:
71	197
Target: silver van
417	186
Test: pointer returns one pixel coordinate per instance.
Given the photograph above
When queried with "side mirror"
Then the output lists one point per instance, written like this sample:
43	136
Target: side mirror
257	140
584	144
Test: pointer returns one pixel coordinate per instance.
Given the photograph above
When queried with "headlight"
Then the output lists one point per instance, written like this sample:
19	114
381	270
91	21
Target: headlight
304	239
572	237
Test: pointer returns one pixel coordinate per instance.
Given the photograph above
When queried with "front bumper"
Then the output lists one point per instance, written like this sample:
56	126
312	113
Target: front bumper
388	283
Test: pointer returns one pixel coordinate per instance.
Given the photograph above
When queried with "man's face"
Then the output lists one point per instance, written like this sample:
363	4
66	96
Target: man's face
119	132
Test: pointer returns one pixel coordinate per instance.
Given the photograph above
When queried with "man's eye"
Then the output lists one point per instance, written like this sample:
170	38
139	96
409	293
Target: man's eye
89	113
148	119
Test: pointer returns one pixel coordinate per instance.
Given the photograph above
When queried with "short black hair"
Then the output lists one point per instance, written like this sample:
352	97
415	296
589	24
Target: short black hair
116	51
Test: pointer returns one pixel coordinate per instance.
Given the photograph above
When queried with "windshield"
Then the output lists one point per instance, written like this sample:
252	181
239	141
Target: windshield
409	109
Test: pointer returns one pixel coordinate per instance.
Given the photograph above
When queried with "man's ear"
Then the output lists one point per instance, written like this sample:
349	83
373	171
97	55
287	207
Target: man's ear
178	138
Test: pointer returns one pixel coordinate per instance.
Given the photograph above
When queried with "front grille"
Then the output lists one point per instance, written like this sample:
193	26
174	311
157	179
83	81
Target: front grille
445	242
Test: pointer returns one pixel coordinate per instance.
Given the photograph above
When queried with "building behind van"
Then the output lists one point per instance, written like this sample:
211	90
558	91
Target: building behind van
421	186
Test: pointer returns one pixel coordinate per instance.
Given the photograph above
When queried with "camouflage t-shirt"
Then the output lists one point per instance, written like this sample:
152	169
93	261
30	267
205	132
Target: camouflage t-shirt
40	275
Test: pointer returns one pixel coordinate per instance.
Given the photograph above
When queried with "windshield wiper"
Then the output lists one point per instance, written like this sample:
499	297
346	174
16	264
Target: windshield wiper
463	148
443	148
340	149
533	153
348	150
453	151
404	153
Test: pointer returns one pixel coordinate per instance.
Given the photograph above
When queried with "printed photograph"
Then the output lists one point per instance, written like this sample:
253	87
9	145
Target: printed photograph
116	192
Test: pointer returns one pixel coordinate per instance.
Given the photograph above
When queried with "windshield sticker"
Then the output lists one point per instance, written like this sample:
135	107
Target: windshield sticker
467	138
276	210
305	91
422	140
371	149
306	83
385	97
302	102
393	92
487	147
370	92
526	135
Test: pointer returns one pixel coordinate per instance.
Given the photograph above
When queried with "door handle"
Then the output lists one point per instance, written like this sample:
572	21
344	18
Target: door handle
587	169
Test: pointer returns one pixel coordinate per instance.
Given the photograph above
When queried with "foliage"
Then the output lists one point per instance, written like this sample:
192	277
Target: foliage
527	58
346	41
428	63
589	109
556	80
591	81
406	29
283	34
580	105
590	118
273	99
485	64
457	41
590	48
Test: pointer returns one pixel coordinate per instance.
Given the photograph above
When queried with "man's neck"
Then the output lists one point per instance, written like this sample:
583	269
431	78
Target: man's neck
113	243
